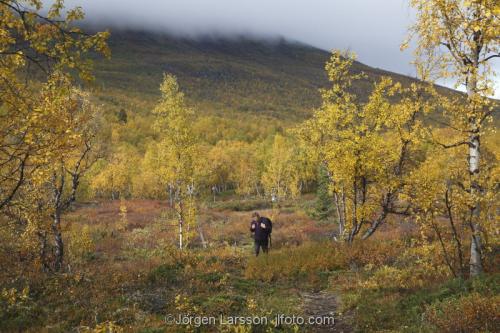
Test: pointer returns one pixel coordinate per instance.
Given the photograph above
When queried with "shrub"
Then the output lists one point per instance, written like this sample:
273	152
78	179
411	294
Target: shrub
16	308
431	308
81	243
305	261
470	313
167	273
311	259
413	277
373	252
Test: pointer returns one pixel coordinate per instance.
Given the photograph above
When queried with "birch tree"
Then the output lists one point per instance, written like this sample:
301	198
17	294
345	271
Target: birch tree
178	151
281	177
367	149
34	45
65	175
460	38
52	188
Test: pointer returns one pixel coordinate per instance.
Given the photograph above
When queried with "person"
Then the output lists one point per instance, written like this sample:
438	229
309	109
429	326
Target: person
261	227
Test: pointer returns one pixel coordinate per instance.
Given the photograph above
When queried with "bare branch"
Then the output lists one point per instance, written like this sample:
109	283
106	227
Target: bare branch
453	145
490	57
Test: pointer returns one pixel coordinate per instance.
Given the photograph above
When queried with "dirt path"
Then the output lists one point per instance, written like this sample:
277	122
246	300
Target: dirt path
324	304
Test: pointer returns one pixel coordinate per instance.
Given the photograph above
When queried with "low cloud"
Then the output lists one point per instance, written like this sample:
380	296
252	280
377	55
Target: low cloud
374	29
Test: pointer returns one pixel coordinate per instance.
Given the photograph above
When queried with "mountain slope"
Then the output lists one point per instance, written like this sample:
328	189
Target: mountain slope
273	78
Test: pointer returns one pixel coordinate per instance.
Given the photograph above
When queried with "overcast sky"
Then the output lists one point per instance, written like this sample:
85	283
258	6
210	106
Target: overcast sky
373	29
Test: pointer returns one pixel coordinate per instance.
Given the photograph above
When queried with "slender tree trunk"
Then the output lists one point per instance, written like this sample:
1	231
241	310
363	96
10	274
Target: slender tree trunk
456	236
202	236
447	257
476	266
180	234
475	263
43	251
181	225
170	196
374	226
340	215
58	241
386	209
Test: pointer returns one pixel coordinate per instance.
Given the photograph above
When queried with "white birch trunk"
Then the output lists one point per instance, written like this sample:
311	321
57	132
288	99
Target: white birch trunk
476	266
475	263
180	235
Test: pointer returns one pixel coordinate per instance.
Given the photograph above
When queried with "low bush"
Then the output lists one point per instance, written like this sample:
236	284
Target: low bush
452	306
302	262
373	252
470	313
167	273
16	309
313	259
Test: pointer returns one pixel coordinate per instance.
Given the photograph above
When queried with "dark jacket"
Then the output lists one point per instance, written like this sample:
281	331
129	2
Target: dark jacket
261	234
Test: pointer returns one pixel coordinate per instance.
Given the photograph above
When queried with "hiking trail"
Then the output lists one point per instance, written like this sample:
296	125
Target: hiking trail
324	303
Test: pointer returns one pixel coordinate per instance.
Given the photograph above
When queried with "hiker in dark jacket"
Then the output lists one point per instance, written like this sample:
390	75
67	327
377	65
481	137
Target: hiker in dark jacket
261	227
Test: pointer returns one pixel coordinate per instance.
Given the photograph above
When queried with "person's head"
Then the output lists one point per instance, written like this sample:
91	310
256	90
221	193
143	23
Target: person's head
255	216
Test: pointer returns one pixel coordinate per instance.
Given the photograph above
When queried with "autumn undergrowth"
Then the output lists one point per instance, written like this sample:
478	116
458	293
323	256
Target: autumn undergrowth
387	285
126	275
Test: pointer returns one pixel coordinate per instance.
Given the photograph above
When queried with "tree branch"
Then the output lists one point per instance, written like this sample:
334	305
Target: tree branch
490	57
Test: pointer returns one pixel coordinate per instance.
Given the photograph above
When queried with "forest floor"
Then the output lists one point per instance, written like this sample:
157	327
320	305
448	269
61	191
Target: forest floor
123	273
216	280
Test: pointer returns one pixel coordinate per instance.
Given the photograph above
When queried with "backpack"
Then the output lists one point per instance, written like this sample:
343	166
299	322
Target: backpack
268	223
